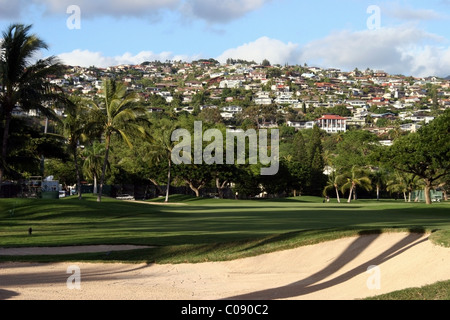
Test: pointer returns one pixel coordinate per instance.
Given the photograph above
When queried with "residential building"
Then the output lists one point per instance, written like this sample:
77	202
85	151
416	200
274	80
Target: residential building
332	123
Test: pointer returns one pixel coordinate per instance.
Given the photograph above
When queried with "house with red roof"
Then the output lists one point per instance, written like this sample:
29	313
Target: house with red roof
332	123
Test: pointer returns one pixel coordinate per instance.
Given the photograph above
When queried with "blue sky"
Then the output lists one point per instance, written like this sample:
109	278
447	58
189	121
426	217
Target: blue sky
401	37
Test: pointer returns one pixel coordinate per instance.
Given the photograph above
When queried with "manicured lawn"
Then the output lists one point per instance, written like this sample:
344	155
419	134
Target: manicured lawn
205	229
437	291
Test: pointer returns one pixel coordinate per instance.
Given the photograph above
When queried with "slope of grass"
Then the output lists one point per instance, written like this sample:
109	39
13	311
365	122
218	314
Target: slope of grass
436	291
206	229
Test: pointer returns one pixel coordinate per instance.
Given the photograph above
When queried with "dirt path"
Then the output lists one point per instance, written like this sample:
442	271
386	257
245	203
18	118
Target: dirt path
332	270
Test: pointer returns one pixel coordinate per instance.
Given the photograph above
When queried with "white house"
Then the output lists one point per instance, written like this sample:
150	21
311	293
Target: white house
301	125
230	84
332	123
263	98
232	109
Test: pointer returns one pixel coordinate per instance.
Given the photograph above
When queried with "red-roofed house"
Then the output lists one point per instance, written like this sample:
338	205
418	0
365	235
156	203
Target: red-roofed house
332	123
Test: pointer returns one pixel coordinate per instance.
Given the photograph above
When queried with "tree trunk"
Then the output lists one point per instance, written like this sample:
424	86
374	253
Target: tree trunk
220	187
428	192
4	147
168	181
156	184
378	193
77	169
404	196
197	192
194	188
105	163
95	184
350	195
337	195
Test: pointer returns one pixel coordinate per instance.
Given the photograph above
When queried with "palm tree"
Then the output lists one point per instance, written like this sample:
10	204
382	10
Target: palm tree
75	129
378	178
23	83
121	114
162	146
404	183
356	177
333	182
93	156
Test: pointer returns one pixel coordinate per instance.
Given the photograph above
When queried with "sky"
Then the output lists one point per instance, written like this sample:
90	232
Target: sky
408	37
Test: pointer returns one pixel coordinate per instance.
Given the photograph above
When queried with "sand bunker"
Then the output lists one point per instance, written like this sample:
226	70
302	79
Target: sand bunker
335	270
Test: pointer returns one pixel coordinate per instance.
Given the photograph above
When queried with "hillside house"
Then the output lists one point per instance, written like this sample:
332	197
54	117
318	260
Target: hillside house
332	123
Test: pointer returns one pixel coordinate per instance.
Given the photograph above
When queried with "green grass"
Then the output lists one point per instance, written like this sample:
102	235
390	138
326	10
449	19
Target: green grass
212	229
206	229
437	291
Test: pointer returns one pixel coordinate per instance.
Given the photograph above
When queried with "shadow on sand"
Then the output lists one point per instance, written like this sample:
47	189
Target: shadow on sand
311	284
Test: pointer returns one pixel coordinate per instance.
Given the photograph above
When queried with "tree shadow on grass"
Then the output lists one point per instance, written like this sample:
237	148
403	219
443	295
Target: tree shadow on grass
311	284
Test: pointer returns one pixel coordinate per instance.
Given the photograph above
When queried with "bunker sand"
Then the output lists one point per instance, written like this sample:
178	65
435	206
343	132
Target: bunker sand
335	270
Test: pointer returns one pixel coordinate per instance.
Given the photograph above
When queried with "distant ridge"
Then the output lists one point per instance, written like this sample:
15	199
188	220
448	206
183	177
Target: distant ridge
448	78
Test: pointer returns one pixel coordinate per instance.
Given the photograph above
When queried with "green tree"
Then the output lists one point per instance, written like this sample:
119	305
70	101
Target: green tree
425	153
404	183
75	130
316	162
162	146
356	177
93	156
378	178
355	149
333	182
266	63
23	84
120	113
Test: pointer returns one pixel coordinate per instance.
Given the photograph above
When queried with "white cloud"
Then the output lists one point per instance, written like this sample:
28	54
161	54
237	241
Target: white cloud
411	14
213	11
401	50
396	50
276	51
11	9
86	58
220	11
116	8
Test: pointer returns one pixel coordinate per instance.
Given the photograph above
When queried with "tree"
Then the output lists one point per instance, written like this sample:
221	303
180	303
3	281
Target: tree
75	130
162	146
121	114
196	176
93	156
378	178
425	153
356	177
316	162
355	149
333	182
404	183
297	161
23	84
266	63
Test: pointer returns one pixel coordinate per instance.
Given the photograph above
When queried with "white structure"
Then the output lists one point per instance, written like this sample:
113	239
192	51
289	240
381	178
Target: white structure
230	84
332	123
263	98
301	125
